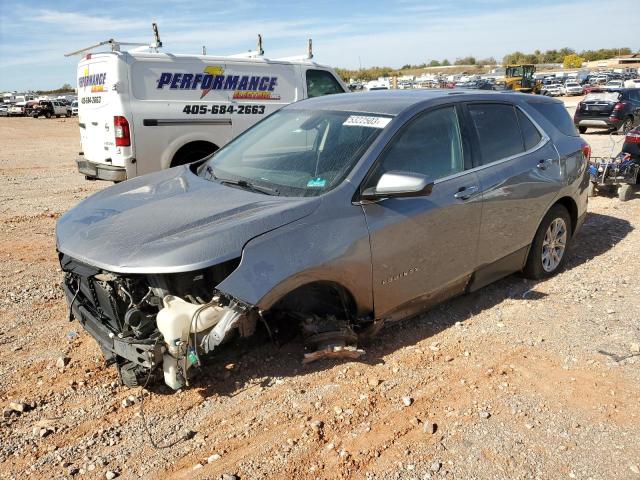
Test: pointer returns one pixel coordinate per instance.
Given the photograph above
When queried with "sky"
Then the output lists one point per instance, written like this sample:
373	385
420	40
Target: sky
34	34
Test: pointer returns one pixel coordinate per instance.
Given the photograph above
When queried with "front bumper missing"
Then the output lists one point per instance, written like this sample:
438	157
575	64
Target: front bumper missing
147	355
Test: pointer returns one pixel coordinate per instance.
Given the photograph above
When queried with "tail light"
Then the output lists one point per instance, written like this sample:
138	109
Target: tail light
618	106
121	129
633	137
586	151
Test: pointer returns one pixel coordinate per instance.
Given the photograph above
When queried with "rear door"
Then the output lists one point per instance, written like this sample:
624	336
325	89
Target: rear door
520	175
97	77
424	248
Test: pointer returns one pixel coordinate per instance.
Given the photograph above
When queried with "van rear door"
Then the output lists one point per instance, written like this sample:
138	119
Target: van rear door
97	102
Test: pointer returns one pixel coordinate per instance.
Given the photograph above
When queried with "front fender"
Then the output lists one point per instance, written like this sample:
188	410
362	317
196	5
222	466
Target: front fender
331	245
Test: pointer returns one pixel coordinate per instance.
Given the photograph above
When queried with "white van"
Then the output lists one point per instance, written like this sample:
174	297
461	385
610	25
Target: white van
140	112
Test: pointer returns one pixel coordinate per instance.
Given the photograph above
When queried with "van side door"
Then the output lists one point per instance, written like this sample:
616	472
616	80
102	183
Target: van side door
520	175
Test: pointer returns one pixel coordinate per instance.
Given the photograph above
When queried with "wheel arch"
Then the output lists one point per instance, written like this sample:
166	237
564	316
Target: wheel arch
572	207
192	146
322	297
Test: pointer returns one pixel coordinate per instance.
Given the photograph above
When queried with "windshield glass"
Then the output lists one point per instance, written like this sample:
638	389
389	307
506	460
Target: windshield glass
602	96
295	153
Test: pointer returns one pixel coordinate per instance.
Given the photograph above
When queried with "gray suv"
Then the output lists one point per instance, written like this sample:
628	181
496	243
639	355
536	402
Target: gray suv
334	214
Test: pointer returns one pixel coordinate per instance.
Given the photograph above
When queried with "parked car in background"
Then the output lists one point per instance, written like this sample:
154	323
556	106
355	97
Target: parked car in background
614	110
74	108
632	83
552	90
384	172
591	87
3	110
572	88
17	109
50	108
614	84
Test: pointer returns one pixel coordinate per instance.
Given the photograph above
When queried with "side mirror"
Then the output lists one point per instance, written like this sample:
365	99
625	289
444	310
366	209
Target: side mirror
398	184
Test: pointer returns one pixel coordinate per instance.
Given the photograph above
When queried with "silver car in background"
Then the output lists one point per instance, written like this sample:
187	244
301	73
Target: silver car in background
334	214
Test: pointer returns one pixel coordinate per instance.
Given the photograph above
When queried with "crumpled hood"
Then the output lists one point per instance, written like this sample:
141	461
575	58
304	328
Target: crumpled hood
171	221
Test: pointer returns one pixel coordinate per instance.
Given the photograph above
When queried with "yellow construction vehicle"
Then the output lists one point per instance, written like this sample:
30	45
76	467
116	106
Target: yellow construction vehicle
520	79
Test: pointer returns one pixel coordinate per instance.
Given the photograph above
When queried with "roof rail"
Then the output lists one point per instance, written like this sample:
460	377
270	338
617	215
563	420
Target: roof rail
258	52
295	58
115	44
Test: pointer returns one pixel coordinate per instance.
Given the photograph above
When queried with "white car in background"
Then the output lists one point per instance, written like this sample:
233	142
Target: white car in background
614	84
553	90
633	83
572	88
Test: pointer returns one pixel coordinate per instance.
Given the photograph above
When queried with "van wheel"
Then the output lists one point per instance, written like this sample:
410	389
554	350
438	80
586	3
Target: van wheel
582	129
547	253
47	115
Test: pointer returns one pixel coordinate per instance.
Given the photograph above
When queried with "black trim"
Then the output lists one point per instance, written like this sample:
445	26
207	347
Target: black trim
155	122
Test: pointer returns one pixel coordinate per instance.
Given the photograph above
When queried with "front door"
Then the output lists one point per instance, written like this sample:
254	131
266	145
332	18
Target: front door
424	248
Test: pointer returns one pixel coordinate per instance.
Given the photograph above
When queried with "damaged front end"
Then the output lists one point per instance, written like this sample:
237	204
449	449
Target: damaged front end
141	321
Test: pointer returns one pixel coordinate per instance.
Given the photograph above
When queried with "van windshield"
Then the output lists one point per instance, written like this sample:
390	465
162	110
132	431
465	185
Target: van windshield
296	153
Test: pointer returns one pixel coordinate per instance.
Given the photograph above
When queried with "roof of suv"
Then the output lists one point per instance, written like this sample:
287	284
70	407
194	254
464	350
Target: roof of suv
393	102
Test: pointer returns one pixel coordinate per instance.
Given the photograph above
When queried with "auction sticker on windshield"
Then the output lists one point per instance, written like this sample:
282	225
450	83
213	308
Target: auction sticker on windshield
366	121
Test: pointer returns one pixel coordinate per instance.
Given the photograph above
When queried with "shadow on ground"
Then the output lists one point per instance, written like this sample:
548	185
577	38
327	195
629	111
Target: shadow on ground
258	358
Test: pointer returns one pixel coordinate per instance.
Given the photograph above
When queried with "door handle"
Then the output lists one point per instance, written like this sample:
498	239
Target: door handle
465	193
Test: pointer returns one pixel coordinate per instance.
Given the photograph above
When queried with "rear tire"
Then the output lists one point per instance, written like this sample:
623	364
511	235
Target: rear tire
47	115
626	126
548	251
582	129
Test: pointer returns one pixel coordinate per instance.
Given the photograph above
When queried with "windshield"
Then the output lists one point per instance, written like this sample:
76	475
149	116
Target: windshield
602	96
296	153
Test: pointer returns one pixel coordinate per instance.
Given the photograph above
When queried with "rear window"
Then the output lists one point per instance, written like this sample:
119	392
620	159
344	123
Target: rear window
602	97
557	114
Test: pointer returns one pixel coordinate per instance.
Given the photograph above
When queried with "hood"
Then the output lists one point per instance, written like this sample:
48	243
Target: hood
171	221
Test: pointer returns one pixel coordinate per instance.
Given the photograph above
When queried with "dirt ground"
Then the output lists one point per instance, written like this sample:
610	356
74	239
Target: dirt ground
518	380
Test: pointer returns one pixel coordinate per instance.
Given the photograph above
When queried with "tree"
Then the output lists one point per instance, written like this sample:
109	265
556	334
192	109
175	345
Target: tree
434	63
572	61
445	63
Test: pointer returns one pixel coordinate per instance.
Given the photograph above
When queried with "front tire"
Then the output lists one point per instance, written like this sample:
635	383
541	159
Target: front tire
592	190
548	250
625	192
626	126
582	129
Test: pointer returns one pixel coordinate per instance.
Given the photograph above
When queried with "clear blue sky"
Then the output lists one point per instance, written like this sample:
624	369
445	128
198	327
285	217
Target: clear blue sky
34	34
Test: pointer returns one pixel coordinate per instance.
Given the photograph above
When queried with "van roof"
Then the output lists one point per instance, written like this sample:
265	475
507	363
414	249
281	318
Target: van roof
206	58
394	102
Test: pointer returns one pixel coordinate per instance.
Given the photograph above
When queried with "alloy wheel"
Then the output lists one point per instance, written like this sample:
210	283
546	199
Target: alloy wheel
554	244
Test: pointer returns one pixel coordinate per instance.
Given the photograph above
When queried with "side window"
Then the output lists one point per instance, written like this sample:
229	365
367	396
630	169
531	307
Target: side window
321	82
430	145
530	133
498	131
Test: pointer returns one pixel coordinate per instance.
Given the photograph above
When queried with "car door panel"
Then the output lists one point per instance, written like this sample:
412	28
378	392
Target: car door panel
423	246
516	193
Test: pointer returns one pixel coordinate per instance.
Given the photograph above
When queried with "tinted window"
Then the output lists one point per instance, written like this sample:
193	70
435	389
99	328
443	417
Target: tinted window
557	114
429	145
530	133
498	131
321	82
